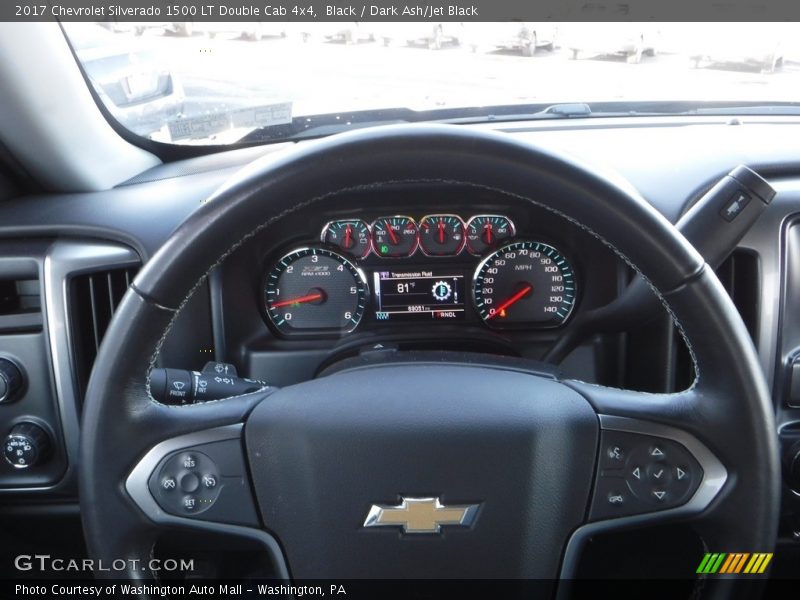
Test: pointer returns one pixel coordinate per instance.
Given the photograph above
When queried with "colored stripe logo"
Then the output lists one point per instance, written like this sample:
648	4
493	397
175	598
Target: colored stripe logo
734	563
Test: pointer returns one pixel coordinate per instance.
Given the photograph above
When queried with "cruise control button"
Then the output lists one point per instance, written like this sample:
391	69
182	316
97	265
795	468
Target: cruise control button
168	483
189	461
209	481
189	482
189	503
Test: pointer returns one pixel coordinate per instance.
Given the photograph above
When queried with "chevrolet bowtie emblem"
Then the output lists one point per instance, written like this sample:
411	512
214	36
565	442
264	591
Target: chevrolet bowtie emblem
421	515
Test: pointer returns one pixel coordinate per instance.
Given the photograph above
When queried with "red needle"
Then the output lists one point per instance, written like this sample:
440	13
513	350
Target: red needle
487	229
501	310
392	234
300	300
348	234
441	232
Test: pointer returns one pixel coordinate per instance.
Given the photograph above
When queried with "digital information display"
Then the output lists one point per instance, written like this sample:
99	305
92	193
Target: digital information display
418	295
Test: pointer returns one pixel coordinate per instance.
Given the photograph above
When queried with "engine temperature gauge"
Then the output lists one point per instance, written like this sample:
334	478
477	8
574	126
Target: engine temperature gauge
349	235
394	236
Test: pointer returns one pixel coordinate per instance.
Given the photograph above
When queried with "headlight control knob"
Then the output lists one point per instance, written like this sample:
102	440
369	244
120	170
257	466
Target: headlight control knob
26	445
10	381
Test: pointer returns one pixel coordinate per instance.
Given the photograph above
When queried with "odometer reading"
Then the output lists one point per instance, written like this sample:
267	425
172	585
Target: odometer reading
524	283
314	290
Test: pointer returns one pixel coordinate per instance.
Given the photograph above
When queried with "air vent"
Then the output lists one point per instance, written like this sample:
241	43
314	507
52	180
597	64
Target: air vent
739	275
93	299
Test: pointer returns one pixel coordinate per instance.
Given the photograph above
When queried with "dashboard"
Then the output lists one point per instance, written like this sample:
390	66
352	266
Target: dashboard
439	269
398	267
408	266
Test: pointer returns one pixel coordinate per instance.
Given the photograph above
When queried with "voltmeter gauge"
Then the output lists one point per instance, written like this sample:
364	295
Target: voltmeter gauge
349	235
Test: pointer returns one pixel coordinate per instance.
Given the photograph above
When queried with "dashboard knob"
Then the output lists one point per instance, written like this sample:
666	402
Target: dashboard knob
26	445
11	381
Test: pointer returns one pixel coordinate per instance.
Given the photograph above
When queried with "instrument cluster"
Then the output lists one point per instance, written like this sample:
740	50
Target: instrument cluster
396	269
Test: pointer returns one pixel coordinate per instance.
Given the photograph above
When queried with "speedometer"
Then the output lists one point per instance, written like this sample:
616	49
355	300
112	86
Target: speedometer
524	284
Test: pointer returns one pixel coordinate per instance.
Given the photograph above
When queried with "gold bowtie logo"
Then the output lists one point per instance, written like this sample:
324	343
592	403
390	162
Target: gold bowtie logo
421	515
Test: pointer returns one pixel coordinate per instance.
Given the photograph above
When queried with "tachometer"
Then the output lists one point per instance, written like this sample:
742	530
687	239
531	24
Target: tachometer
314	290
524	284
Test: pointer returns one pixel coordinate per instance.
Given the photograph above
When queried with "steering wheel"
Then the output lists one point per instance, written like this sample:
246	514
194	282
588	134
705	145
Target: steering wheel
507	477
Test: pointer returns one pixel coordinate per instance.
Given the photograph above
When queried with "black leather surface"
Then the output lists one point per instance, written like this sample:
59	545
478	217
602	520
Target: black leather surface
521	446
730	406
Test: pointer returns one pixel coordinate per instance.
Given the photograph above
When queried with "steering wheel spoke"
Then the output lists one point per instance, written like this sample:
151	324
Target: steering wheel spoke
198	478
652	466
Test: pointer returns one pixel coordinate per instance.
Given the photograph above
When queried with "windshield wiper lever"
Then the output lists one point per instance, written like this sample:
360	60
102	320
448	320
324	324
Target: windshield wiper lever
216	381
714	225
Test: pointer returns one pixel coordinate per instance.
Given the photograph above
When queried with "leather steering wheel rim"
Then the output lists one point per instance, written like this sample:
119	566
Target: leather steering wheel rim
728	409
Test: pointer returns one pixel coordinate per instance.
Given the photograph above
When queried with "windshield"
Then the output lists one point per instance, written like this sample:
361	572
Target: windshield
223	83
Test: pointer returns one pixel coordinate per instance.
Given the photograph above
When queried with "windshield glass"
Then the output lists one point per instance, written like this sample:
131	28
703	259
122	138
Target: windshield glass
223	83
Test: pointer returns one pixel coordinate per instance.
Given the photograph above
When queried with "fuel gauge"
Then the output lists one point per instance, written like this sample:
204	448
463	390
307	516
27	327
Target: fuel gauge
349	235
441	235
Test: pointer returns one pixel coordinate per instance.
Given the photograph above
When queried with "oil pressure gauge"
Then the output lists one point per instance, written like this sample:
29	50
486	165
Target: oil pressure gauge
485	232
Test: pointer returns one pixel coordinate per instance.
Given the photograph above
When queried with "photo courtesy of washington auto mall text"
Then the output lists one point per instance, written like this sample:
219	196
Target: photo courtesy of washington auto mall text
195	590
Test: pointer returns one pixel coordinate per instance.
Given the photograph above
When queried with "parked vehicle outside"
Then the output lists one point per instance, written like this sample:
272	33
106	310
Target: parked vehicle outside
632	41
524	38
751	45
134	83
